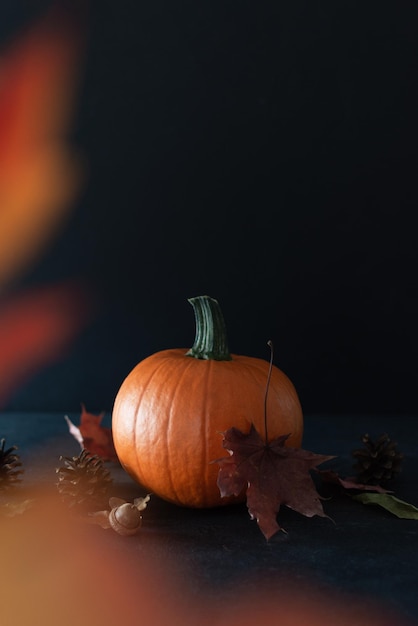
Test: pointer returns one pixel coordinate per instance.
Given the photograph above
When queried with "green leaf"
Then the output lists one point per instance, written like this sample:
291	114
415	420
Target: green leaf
389	502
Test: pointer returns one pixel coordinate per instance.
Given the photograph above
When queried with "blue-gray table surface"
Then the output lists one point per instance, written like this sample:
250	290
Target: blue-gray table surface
364	551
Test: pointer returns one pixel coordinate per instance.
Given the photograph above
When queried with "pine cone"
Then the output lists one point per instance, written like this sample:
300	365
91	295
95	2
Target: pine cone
84	481
10	464
378	462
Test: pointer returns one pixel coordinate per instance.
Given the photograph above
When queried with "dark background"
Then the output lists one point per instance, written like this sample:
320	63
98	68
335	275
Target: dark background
262	152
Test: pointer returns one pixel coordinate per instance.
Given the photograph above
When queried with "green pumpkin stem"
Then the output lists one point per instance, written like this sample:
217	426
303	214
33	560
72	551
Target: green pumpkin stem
210	342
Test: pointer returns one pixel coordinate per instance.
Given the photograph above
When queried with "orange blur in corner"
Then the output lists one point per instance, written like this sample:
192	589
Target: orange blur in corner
39	172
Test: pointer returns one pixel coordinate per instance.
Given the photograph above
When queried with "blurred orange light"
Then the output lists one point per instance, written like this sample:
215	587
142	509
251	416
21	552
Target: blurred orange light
39	174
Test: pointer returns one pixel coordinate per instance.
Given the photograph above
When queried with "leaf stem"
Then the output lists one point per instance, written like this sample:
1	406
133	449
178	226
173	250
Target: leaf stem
270	344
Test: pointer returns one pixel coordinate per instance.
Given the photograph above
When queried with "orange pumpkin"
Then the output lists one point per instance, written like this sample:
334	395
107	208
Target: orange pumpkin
171	410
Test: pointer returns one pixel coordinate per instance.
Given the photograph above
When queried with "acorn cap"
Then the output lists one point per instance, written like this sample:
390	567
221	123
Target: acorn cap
125	519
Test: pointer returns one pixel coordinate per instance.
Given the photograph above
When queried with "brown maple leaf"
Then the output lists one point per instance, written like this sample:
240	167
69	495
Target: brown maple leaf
350	483
92	436
272	474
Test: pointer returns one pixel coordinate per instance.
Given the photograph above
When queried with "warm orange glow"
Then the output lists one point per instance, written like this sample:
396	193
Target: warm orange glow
56	569
39	175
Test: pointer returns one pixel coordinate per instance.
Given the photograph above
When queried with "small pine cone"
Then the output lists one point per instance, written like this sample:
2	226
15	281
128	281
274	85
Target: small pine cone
378	462
10	466
84	481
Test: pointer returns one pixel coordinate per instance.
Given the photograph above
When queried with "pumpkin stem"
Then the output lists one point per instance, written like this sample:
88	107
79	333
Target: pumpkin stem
210	341
270	344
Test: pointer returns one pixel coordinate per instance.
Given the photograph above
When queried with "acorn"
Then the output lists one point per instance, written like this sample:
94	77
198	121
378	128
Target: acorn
125	518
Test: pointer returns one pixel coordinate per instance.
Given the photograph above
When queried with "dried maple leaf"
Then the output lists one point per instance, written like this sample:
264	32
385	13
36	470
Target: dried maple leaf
92	436
272	474
371	494
331	477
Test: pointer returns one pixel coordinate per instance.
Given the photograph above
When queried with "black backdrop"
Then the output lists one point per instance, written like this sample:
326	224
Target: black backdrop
262	152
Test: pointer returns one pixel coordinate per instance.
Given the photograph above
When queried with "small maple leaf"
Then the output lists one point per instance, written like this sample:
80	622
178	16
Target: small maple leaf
272	474
332	477
92	436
